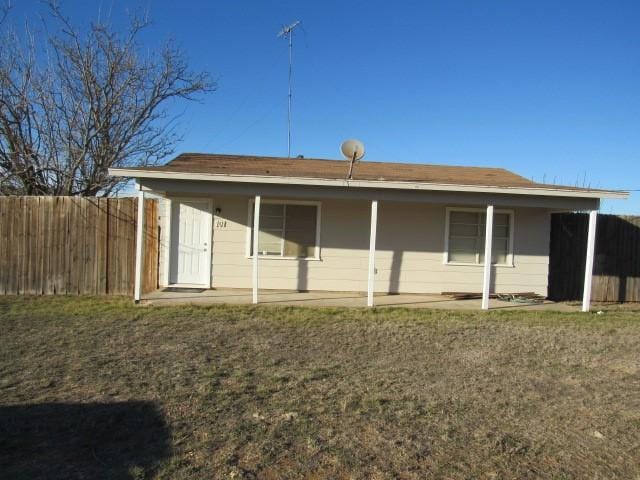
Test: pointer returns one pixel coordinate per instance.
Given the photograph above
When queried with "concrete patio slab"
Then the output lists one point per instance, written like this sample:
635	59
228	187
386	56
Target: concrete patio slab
336	299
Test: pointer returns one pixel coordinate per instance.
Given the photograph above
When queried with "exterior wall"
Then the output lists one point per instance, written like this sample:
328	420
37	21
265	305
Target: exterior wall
409	254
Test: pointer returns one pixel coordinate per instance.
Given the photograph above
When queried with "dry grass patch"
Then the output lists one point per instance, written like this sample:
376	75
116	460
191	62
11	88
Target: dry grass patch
246	392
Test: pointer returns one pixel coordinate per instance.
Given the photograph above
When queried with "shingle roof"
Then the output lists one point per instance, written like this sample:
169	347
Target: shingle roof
307	168
338	169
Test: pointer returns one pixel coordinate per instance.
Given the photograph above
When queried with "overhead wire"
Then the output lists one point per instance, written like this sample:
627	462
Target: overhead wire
241	105
254	123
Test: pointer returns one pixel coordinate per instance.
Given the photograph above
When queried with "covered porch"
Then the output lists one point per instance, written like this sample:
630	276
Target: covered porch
423	214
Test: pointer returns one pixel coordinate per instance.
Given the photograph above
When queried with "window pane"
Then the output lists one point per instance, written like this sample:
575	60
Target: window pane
300	231
459	229
301	216
463	249
464	217
270	235
463	244
499	258
269	242
271	216
501	219
464	233
462	257
299	244
500	232
270	250
270	223
271	210
500	250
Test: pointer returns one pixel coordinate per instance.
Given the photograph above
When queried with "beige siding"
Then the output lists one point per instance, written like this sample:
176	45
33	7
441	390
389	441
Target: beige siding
409	254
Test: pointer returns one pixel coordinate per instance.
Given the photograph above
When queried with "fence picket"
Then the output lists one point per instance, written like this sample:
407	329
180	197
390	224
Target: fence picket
72	245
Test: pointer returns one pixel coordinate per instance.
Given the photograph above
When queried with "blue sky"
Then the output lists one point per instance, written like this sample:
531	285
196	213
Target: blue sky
550	90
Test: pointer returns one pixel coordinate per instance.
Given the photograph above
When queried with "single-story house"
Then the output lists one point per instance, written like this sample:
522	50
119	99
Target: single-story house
391	227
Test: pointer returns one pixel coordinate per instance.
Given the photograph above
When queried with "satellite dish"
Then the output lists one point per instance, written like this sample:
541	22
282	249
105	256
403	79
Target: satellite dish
352	149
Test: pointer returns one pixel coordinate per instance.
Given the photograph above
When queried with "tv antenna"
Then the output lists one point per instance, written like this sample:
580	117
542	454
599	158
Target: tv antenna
353	150
287	32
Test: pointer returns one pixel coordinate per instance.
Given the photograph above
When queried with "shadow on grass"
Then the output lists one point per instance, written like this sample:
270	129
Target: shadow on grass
122	440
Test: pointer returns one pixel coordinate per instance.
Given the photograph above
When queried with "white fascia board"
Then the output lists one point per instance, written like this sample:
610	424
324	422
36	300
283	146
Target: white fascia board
268	179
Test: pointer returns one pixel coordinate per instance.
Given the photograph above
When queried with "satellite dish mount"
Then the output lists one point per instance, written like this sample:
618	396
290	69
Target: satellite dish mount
353	150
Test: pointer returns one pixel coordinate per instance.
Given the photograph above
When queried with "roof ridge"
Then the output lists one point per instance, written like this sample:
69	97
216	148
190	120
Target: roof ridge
335	160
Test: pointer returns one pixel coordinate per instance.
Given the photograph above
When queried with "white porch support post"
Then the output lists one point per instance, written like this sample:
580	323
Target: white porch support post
256	231
372	252
488	240
588	269
137	288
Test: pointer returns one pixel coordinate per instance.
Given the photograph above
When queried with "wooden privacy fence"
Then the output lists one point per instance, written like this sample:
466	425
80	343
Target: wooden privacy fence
74	245
616	269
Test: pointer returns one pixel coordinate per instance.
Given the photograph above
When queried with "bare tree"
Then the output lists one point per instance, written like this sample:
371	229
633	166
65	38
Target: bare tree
74	103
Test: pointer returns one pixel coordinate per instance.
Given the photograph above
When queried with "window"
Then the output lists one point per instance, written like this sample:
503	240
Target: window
287	230
466	232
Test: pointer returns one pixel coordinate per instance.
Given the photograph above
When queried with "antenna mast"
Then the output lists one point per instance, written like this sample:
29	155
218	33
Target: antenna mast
287	32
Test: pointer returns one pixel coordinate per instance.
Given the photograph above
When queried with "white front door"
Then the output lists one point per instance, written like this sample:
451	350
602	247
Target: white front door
190	242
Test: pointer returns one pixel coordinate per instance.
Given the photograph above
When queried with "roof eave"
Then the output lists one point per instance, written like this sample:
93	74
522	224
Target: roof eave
397	185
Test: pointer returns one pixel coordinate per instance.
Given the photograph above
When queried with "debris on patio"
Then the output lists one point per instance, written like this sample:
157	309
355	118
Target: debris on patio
522	297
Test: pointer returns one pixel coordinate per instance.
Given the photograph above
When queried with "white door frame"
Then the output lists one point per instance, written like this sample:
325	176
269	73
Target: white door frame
171	234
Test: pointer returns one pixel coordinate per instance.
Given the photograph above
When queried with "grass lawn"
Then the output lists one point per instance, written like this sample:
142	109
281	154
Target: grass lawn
98	388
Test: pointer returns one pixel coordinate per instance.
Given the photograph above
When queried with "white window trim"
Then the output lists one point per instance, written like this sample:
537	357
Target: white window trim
510	255
317	204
